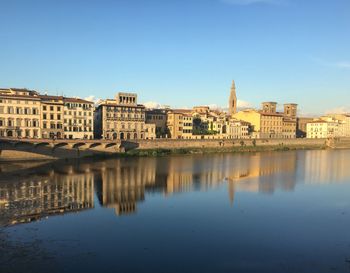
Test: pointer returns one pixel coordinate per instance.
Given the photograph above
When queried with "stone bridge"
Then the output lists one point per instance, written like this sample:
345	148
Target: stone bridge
24	149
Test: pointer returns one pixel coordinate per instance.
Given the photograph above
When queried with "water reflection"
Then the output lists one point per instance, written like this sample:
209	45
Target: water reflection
40	191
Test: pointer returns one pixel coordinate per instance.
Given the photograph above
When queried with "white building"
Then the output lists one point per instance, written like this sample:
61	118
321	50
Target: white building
322	128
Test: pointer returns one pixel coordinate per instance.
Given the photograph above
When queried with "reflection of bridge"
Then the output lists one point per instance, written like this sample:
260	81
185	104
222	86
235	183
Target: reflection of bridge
60	148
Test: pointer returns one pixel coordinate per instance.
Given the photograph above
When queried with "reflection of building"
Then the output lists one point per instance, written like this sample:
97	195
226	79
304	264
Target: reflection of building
121	185
35	198
258	173
326	166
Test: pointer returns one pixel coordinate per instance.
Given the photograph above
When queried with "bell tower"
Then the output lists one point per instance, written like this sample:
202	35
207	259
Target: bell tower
232	106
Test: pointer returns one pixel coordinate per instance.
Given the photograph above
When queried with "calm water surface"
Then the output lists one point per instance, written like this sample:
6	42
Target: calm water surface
268	212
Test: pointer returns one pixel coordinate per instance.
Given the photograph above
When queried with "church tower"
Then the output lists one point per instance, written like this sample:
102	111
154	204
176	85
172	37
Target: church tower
232	107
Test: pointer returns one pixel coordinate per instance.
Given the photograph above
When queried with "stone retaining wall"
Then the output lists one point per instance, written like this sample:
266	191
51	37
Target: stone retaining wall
182	143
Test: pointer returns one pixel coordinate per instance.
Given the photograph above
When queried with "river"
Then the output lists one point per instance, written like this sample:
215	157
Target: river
264	212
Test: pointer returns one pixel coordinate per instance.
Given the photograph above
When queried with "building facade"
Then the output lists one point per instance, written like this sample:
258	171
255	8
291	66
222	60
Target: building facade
19	113
159	118
120	118
232	108
268	123
301	126
344	123
321	128
78	119
52	117
27	114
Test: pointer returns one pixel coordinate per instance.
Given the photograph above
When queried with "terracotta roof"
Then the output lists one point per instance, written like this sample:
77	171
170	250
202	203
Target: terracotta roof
77	100
271	114
121	105
180	111
23	90
318	121
49	97
14	96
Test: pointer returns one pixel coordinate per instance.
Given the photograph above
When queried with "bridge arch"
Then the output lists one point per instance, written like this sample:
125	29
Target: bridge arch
41	144
23	145
108	145
78	145
93	145
59	145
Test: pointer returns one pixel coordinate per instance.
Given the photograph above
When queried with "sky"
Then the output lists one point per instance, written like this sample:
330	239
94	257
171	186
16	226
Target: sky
181	52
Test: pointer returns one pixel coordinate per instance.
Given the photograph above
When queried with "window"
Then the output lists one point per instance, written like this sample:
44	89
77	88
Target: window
52	116
44	116
44	108
51	108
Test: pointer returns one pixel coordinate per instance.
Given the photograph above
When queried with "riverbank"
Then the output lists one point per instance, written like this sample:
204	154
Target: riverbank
244	149
35	151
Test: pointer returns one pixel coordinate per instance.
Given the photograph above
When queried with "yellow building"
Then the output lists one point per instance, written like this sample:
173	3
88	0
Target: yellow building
179	120
78	118
19	113
150	131
52	116
268	123
26	113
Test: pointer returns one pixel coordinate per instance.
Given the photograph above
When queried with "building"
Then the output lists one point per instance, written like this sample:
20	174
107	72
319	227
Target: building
26	113
150	131
120	118
289	126
52	116
301	126
344	123
19	113
232	100
177	119
322	128
203	123
268	123
159	118
78	118
238	129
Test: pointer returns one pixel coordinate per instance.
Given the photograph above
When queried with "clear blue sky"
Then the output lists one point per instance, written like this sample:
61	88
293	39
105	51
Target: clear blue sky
181	52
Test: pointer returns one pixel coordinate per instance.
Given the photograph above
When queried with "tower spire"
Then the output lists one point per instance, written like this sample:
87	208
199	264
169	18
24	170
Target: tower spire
232	108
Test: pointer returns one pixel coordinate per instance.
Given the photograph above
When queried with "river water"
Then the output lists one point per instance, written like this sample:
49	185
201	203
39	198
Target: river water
265	212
